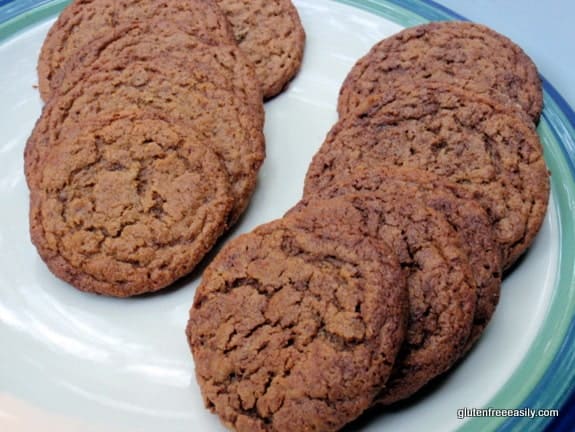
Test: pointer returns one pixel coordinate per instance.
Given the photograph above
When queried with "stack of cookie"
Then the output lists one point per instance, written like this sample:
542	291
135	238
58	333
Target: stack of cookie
455	100
435	171
150	142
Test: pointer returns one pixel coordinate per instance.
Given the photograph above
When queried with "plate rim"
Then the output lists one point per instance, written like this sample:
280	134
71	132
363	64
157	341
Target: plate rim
555	340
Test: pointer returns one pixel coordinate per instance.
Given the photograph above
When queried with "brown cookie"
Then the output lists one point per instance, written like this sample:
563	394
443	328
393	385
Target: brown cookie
270	33
128	206
295	325
487	147
83	21
467	217
442	291
136	41
212	92
468	55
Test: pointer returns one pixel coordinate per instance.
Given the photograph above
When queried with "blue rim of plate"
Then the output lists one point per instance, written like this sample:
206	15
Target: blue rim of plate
550	361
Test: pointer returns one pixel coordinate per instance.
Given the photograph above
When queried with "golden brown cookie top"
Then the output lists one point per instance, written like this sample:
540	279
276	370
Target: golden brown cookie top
487	147
469	55
83	21
212	92
465	215
128	206
270	33
441	288
296	325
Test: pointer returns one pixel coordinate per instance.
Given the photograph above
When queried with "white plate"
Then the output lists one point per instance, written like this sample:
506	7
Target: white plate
78	362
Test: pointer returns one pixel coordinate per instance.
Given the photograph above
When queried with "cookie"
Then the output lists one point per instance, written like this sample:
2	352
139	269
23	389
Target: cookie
83	21
128	206
468	55
270	33
467	217
486	147
441	288
213	93
295	325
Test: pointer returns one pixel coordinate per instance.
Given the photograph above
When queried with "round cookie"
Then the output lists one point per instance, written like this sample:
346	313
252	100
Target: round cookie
467	217
270	33
128	206
83	21
465	54
490	149
213	93
295	326
441	288
155	38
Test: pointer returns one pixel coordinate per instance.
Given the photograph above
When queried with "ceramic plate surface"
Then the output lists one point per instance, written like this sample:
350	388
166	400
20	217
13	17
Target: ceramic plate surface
71	361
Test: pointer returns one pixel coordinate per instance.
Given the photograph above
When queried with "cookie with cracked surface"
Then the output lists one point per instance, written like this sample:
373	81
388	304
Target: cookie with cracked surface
467	217
154	38
295	325
489	148
128	206
83	21
469	55
270	33
440	284
213	93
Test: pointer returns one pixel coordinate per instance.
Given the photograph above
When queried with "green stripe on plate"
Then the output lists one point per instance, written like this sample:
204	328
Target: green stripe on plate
388	10
30	17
